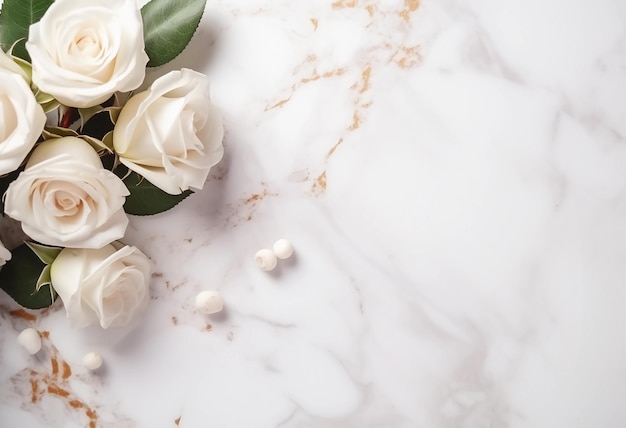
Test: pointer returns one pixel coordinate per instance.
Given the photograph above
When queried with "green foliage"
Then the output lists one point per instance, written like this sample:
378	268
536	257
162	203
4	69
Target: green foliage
46	253
145	198
16	17
26	280
98	125
97	131
168	26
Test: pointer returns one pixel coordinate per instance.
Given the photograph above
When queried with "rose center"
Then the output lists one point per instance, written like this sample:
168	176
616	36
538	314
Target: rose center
116	296
61	199
86	46
66	202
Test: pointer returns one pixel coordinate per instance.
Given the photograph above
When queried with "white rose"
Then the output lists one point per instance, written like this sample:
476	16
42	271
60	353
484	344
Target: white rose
66	198
5	255
108	285
171	134
21	118
84	51
7	63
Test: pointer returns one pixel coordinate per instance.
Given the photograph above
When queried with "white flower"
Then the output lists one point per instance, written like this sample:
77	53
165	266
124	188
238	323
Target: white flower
21	118
7	64
66	198
84	51
108	285
5	255
171	134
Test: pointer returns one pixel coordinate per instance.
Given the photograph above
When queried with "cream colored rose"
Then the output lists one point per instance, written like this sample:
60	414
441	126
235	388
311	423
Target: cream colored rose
171	134
5	255
21	118
66	198
7	64
107	285
84	51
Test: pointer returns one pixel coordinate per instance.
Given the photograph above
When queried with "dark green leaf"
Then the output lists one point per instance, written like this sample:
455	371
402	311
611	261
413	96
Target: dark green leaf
98	145
109	160
168	26
107	140
46	253
145	198
87	113
19	277
44	278
98	125
15	19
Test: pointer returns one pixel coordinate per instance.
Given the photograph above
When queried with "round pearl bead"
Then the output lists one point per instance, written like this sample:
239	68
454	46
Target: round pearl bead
30	340
209	302
283	249
92	361
265	259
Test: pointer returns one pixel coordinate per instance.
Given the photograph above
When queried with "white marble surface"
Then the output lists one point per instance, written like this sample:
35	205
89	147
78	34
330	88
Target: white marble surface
453	177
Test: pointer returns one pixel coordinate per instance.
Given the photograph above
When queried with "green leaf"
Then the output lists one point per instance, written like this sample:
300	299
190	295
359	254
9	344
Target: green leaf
46	253
16	17
98	124
47	101
98	145
19	277
87	113
43	98
44	278
49	106
168	26
114	113
58	132
109	159
145	198
24	65
107	141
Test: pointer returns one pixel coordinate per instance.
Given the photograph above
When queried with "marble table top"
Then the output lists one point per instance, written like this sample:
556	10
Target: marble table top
452	174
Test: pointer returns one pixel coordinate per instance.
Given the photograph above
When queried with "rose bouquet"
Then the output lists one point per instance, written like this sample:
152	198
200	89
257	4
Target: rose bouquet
80	151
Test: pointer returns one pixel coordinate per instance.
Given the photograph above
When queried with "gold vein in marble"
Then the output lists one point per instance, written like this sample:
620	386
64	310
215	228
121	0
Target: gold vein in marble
54	383
410	6
341	4
319	185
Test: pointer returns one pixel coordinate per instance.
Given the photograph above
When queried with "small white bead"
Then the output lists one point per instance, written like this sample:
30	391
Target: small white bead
30	340
265	259
92	361
209	302
283	249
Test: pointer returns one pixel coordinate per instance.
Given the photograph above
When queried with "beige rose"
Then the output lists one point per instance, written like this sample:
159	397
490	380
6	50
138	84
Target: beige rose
66	198
22	118
107	285
84	51
171	134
